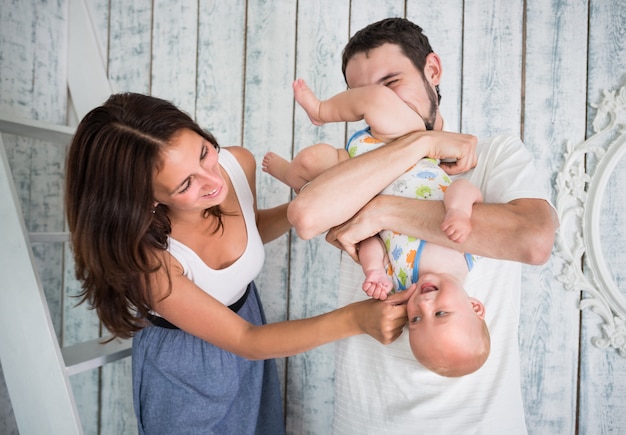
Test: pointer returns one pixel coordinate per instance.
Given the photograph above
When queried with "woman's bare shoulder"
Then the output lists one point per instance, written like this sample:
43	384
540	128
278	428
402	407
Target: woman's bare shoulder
244	157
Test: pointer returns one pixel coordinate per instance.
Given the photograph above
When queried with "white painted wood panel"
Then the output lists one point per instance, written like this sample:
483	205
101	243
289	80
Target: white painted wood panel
221	61
603	373
445	33
267	114
551	113
174	50
322	30
129	45
492	67
529	68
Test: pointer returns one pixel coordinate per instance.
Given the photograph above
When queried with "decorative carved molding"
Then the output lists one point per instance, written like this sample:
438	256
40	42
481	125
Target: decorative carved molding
581	185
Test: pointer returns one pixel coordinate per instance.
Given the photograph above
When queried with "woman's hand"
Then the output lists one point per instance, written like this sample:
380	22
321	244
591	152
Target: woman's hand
383	320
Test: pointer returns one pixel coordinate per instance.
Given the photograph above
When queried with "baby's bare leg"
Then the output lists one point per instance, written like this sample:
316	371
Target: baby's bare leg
372	256
282	170
306	165
459	199
307	100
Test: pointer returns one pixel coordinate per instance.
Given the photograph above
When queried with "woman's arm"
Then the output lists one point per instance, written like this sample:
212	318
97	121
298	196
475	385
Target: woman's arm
272	222
338	193
196	312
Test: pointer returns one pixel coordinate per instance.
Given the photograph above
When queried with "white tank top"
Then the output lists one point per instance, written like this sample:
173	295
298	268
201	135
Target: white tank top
229	284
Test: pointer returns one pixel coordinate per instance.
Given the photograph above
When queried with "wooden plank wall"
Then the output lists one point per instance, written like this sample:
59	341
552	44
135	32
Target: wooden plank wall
524	67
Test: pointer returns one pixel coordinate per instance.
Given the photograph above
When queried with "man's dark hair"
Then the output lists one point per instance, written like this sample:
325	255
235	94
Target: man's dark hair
400	31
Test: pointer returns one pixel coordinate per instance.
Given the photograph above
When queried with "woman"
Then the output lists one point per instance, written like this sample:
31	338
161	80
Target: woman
167	241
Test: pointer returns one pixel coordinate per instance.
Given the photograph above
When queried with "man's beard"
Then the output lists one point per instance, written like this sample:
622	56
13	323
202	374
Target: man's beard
429	121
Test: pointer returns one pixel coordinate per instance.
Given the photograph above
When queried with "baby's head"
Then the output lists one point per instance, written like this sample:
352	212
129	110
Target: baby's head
447	329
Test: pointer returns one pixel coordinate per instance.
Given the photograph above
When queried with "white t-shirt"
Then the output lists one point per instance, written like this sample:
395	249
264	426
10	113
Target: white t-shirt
384	390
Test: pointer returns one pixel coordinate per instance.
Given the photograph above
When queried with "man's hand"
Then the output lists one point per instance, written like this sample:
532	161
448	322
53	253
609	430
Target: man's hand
458	151
362	225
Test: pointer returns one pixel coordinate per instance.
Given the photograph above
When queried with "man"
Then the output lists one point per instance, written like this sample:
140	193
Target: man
383	389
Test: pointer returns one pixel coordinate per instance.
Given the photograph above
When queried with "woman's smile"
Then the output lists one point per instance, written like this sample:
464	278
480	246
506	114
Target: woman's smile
212	192
215	192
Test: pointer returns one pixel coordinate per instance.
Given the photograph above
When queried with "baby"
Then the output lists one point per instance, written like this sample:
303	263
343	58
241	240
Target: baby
447	331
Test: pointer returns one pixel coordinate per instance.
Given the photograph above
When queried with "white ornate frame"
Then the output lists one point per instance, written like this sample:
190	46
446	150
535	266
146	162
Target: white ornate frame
580	191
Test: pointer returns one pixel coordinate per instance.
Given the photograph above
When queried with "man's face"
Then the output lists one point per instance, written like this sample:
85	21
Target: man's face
387	65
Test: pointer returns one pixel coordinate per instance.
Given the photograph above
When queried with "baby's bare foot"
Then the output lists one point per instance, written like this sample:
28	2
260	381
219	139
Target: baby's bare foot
307	100
456	225
275	165
282	170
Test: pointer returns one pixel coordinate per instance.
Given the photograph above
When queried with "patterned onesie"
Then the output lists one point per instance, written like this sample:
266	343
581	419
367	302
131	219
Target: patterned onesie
424	180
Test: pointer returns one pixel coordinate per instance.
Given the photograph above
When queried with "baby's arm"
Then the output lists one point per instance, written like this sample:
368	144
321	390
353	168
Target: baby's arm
388	116
458	200
373	257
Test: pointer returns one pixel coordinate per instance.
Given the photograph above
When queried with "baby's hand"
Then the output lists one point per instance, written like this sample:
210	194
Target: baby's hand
377	284
456	225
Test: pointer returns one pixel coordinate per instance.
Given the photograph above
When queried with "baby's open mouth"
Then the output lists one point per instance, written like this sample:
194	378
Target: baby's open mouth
428	287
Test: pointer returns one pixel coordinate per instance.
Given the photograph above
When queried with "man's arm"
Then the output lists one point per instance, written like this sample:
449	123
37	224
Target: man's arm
521	230
340	192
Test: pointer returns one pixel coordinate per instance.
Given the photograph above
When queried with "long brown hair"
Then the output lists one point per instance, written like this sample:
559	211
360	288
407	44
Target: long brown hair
116	232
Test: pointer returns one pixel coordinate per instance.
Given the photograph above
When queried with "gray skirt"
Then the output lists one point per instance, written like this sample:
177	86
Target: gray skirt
185	385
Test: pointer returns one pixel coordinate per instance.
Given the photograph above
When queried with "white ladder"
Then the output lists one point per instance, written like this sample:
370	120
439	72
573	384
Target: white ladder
36	368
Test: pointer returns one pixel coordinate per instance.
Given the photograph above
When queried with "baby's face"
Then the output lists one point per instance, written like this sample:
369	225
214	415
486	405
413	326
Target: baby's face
438	296
440	312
